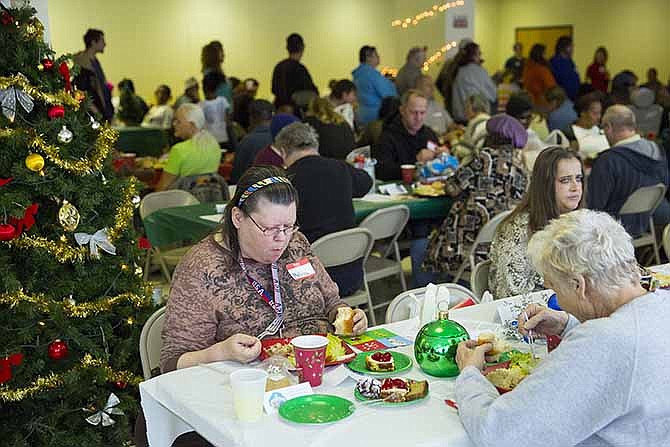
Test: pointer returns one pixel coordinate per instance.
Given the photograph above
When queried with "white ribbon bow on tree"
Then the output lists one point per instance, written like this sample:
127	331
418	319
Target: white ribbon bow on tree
104	415
99	239
8	98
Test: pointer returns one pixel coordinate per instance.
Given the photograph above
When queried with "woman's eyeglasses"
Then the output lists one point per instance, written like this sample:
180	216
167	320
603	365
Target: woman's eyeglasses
275	231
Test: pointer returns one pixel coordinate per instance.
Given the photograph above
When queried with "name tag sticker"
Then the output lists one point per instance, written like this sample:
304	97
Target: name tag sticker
301	270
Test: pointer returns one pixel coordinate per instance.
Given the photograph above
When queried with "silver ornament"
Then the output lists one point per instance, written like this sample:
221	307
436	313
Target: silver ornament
71	301
65	135
94	124
136	201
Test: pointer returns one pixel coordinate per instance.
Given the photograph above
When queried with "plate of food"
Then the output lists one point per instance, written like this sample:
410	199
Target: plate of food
380	363
506	375
435	189
392	391
337	351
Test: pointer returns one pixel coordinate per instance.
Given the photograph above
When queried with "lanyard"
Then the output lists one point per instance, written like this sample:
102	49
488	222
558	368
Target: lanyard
274	302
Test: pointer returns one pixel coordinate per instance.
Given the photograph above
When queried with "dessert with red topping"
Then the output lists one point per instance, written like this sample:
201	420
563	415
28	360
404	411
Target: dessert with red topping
394	390
380	361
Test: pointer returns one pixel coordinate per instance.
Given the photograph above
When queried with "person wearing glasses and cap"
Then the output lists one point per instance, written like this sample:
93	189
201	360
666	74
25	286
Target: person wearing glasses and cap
255	277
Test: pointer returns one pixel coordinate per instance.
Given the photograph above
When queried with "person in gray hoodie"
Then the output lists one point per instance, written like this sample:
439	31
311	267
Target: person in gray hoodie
631	163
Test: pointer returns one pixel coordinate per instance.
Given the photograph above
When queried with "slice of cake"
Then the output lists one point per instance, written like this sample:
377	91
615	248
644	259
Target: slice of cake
380	361
417	390
394	390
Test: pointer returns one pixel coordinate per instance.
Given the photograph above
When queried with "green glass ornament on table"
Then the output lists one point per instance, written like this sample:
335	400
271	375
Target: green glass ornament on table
436	344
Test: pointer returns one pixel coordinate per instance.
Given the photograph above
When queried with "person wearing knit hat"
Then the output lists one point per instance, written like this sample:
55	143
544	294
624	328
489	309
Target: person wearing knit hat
505	127
493	181
270	155
190	95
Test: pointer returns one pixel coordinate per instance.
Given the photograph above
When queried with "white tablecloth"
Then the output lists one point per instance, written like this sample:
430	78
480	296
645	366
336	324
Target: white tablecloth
200	399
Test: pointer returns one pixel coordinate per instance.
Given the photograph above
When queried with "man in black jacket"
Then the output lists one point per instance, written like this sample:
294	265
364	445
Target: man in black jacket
325	187
290	76
631	162
405	139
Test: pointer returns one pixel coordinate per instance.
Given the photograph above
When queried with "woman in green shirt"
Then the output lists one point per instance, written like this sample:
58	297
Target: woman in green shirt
199	153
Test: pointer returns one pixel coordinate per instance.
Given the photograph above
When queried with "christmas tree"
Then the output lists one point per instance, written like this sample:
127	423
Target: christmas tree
72	301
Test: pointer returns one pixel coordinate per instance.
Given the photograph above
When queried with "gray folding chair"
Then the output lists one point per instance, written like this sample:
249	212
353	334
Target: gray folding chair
666	241
384	224
485	236
400	306
151	342
479	278
645	200
343	247
156	201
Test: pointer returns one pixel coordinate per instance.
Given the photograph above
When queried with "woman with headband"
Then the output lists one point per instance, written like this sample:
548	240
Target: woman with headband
253	278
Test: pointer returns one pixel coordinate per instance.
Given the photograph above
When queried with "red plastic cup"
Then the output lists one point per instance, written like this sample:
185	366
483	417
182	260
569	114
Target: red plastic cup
407	173
310	357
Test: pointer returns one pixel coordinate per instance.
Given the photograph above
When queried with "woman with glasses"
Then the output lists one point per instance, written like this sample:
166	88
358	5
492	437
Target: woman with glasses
326	187
556	187
253	278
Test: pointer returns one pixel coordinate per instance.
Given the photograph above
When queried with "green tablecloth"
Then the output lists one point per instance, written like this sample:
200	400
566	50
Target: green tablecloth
183	224
143	141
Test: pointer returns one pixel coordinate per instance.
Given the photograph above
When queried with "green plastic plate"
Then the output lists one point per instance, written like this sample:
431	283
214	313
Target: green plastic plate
316	409
401	361
362	398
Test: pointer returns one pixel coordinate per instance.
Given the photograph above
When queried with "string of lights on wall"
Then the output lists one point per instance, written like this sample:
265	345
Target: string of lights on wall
438	55
428	13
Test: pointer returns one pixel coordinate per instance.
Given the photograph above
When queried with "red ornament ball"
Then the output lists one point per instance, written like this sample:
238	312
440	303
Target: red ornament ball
120	384
7	232
48	64
56	112
6	18
57	350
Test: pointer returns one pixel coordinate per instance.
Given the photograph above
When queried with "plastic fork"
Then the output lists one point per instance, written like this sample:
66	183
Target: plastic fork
530	337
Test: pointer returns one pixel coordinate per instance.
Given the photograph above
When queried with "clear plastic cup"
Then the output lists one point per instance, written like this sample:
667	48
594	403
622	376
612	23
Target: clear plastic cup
248	391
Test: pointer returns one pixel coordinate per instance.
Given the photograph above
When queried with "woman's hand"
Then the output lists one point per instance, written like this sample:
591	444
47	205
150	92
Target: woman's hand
239	347
469	354
542	321
360	322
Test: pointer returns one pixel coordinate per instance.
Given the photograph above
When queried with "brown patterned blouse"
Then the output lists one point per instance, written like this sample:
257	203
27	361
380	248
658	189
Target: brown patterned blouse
211	299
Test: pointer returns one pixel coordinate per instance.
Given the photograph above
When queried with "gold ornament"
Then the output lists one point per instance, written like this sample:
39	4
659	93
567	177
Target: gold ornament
68	216
35	162
34	29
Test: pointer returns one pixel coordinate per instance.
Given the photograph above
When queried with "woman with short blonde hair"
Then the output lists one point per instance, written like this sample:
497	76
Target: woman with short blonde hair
602	382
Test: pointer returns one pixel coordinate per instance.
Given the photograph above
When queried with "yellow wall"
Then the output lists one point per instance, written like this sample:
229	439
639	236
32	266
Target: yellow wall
636	33
159	41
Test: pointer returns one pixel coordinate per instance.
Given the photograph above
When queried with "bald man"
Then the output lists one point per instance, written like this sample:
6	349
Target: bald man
630	163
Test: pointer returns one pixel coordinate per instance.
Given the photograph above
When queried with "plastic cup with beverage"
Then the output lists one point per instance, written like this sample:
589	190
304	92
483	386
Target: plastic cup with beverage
248	387
407	173
310	357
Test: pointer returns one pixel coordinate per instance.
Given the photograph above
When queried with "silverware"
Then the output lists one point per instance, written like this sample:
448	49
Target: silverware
530	336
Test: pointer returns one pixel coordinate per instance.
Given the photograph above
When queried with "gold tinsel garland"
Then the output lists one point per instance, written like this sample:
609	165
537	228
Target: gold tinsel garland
124	212
63	252
103	145
43	304
20	81
53	380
